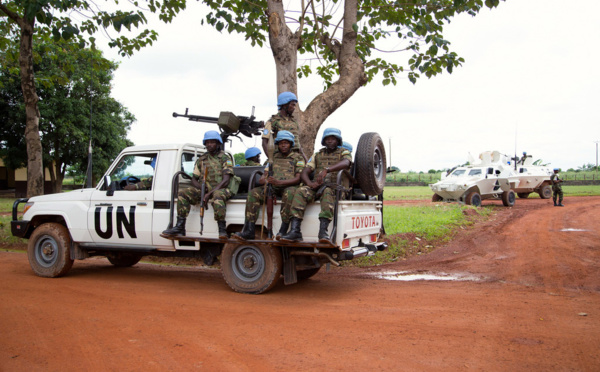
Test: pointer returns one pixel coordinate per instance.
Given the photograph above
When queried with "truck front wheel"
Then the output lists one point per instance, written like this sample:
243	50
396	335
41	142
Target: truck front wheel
48	250
252	269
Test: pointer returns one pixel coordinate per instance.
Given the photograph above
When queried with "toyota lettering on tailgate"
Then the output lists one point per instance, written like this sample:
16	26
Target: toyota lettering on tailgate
364	222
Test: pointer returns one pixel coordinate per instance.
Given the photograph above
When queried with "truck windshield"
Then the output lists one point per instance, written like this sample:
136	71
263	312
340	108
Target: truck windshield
458	173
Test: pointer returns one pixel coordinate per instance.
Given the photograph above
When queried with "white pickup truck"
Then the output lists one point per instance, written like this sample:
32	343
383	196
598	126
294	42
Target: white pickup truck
126	225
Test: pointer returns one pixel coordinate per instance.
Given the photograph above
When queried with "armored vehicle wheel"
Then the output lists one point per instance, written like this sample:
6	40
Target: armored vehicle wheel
546	192
48	250
249	268
307	273
120	259
523	195
370	164
508	198
473	199
436	198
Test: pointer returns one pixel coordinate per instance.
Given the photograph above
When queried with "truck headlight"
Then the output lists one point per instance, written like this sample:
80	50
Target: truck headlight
27	206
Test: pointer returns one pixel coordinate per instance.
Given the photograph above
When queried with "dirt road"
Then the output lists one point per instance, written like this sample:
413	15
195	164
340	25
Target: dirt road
531	302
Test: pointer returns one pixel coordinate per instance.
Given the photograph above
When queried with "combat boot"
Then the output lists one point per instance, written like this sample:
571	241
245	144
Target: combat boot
554	199
178	229
323	236
282	230
560	204
247	232
222	230
295	235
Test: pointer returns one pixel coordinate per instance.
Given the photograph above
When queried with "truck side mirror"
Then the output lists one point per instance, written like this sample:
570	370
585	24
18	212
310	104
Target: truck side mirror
110	187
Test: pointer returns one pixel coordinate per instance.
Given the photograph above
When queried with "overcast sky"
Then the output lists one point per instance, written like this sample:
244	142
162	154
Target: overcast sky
530	78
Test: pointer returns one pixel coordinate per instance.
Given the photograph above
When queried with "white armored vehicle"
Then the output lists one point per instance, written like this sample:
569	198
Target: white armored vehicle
491	177
532	178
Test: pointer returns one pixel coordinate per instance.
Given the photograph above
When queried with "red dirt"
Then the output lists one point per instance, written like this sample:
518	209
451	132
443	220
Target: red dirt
535	306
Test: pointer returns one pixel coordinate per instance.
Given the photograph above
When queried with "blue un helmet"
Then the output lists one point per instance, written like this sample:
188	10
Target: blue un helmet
332	132
285	135
252	152
153	162
285	98
556	169
211	135
347	146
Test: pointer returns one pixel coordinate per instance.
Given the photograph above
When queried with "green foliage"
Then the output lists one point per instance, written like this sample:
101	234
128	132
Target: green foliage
55	18
416	26
69	79
240	158
432	176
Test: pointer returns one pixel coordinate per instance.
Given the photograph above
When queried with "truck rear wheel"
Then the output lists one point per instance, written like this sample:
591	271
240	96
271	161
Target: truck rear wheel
473	199
370	164
252	269
545	192
508	198
48	250
121	259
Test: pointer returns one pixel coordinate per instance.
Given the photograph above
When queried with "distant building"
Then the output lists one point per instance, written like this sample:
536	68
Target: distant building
16	179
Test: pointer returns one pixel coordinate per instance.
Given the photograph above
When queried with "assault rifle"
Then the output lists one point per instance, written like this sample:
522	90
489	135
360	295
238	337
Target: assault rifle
229	123
269	195
202	195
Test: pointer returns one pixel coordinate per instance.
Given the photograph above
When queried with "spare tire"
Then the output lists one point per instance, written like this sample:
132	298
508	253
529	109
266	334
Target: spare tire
370	164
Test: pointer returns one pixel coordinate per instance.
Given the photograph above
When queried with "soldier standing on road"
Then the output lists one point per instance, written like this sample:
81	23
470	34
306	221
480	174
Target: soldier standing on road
287	167
325	163
557	188
220	170
283	120
252	156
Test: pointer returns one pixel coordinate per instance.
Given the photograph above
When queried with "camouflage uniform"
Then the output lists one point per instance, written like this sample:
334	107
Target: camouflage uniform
144	184
556	188
250	163
218	166
305	195
277	123
284	168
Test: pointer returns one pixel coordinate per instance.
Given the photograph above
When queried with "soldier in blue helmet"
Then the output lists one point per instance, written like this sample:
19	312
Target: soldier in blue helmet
557	188
283	120
220	171
287	167
252	156
325	163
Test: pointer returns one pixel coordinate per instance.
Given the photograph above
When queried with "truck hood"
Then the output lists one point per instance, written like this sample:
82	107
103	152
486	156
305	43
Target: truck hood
79	195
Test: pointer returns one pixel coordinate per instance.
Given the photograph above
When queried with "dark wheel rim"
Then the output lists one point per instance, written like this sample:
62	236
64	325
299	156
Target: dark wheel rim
476	201
511	198
377	163
248	263
46	251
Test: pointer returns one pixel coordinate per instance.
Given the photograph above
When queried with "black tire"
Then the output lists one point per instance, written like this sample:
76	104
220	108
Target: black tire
307	273
120	259
436	198
523	195
370	164
48	250
252	269
473	199
508	198
545	192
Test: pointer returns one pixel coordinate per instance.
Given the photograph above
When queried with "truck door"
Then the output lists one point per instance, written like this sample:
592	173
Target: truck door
125	217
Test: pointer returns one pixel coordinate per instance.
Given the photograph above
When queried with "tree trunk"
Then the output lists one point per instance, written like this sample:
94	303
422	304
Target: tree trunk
35	169
284	45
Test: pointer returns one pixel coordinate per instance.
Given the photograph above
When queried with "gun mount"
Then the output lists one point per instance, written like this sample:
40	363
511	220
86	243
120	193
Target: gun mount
229	123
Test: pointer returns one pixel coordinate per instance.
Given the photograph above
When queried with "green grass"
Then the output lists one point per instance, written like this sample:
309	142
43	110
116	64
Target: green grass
418	229
424	192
